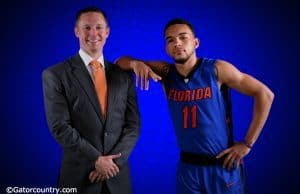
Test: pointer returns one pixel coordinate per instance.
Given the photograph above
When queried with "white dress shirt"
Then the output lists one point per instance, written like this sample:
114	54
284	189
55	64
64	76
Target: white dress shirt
86	58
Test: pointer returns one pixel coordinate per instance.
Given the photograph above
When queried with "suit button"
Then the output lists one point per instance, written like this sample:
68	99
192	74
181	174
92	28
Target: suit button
105	134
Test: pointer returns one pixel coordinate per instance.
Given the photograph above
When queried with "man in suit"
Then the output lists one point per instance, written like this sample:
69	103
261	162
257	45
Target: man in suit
97	132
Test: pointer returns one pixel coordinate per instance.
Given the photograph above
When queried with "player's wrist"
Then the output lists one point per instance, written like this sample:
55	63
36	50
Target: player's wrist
247	144
134	63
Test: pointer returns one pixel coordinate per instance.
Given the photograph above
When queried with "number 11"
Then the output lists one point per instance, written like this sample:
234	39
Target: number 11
186	114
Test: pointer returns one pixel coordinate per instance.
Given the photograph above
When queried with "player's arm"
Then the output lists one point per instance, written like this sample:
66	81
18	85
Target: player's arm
263	98
143	70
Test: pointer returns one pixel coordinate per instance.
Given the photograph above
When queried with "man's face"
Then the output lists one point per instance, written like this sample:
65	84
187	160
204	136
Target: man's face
92	32
180	42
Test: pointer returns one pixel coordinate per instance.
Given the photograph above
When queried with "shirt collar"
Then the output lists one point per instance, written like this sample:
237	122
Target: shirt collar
87	58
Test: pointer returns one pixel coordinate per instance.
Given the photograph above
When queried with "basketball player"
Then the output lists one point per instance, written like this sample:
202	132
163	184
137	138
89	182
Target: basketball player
210	162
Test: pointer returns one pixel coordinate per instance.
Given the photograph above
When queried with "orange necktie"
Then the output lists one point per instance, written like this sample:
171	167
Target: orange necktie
100	84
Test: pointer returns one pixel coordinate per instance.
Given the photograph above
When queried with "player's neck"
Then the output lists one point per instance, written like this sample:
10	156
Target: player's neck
185	68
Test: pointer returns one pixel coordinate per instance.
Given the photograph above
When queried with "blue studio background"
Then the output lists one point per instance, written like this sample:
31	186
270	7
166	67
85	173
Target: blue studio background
259	37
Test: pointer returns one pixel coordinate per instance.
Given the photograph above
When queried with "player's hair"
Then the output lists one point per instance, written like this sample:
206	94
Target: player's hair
179	21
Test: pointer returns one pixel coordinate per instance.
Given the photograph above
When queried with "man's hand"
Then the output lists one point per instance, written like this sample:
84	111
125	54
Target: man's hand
143	72
95	176
105	167
234	155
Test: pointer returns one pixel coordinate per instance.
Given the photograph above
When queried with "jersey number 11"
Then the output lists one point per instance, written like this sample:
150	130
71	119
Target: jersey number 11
190	114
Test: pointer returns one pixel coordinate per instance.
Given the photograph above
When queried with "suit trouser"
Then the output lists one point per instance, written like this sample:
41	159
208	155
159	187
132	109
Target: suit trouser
105	189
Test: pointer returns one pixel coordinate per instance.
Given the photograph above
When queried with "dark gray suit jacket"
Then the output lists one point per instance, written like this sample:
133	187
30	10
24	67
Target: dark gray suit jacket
75	120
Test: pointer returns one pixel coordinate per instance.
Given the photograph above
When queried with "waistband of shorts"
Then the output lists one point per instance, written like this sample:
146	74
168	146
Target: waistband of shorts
200	159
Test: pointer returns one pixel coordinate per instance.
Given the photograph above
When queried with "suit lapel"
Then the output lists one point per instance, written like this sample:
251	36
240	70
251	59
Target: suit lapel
111	90
82	75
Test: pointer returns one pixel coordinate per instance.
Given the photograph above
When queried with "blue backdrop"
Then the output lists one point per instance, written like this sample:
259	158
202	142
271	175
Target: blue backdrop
259	37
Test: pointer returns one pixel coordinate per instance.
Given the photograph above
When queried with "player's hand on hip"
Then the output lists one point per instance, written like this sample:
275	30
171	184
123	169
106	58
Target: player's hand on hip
234	155
143	73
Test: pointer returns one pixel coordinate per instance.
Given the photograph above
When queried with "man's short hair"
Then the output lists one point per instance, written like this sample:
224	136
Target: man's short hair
90	9
178	21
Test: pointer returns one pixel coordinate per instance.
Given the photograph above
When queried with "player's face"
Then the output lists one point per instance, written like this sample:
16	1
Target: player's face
92	32
180	42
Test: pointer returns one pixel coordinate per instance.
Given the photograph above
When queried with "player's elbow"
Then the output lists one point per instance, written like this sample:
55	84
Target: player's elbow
268	95
271	96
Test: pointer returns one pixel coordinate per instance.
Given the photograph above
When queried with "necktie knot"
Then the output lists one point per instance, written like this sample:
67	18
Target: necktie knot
95	65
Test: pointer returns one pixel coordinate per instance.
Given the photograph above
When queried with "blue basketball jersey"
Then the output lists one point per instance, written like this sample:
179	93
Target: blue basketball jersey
197	109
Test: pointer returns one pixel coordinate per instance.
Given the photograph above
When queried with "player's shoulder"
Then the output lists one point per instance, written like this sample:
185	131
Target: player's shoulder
222	62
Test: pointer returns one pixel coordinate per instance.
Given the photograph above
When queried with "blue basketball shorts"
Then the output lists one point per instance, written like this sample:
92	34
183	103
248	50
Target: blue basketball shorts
213	179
